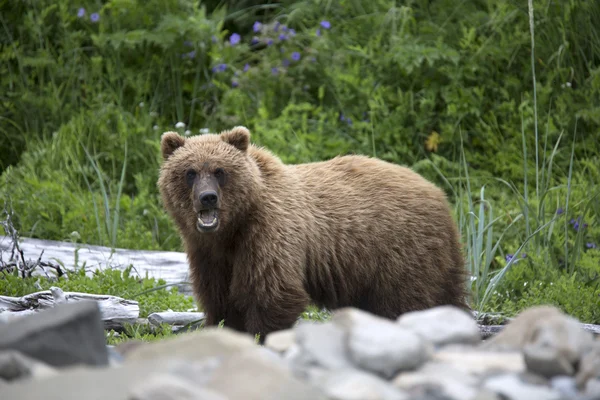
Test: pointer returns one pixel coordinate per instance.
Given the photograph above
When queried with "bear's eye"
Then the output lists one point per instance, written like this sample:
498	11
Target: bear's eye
220	175
190	175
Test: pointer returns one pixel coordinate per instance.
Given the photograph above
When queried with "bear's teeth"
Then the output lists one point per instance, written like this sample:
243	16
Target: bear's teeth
202	223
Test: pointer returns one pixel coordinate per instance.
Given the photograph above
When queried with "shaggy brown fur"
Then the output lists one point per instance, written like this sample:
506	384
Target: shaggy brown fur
351	231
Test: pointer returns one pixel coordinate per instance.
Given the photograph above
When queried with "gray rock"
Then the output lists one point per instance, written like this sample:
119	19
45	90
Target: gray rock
321	344
163	386
248	374
208	342
592	389
14	366
442	325
552	342
589	366
513	388
356	385
442	380
257	374
379	345
65	335
479	363
565	385
280	341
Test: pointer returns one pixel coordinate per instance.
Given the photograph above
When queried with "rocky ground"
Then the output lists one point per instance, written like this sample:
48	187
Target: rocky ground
438	354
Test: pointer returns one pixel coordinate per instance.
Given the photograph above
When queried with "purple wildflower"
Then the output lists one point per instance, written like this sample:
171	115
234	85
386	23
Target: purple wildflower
318	32
234	39
313	59
276	27
591	245
560	211
269	42
296	56
282	37
292	32
246	67
95	17
192	54
274	70
188	43
234	84
285	62
81	12
509	257
284	28
219	68
214	39
325	24
256	27
254	40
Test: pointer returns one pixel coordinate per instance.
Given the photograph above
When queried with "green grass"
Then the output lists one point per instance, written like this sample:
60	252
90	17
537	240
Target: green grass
496	102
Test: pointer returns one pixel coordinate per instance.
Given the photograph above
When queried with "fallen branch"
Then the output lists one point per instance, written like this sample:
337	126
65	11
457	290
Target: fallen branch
116	311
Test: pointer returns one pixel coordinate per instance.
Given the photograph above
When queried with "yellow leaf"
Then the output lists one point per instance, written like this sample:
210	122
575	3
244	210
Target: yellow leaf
432	142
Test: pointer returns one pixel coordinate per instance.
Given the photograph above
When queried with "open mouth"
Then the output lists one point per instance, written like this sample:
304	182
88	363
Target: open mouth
208	220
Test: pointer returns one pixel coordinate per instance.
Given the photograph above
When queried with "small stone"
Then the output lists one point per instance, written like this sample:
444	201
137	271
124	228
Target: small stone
565	385
14	366
321	344
442	325
513	388
67	334
357	385
208	342
479	363
589	366
592	388
552	342
280	341
379	345
441	379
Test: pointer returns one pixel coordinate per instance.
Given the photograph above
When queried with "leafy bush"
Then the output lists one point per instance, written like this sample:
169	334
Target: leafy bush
466	96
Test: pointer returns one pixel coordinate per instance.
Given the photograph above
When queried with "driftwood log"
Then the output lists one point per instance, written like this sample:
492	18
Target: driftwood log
168	265
175	318
116	311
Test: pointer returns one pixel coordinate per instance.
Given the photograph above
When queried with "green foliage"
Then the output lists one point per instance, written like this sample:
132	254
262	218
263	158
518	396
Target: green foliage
447	89
148	292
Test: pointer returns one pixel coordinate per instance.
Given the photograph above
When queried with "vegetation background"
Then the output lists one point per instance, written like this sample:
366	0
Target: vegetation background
497	101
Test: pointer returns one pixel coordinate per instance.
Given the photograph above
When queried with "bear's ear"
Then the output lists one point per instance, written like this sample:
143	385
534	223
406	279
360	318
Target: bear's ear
169	142
239	137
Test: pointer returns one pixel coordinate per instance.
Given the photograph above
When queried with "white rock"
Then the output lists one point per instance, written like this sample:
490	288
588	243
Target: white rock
321	344
479	363
357	385
442	325
379	345
163	386
552	342
193	345
513	388
452	383
280	341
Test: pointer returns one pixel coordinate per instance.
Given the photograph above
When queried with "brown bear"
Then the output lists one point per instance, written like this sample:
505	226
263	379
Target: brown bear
265	239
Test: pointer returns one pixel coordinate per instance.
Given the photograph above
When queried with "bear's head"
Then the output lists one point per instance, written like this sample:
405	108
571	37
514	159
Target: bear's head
208	182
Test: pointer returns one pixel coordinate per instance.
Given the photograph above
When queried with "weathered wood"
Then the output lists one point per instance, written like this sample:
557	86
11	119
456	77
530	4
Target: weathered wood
115	311
491	330
168	265
175	318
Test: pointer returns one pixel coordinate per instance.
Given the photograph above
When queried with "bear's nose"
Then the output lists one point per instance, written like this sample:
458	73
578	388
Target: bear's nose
209	198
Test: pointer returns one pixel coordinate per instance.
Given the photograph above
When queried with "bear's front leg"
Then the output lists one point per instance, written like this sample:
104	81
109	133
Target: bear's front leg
271	296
